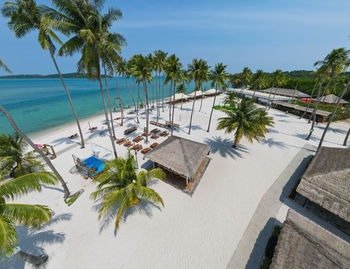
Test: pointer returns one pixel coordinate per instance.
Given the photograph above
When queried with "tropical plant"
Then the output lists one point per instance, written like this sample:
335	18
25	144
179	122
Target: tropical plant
26	16
88	32
120	187
174	74
332	65
278	79
122	70
13	214
182	90
218	76
40	152
259	81
4	66
142	71
245	120
198	71
14	160
246	77
161	59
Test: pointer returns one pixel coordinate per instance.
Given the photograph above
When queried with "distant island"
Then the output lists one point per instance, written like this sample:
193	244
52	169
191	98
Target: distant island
68	75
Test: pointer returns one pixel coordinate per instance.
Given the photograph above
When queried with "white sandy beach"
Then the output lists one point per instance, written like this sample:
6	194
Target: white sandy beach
198	231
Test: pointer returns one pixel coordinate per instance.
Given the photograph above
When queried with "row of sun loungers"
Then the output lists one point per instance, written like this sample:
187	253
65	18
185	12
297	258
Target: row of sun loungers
168	123
158	124
137	139
165	133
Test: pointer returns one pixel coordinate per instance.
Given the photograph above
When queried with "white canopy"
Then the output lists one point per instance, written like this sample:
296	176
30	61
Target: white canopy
178	97
211	92
198	94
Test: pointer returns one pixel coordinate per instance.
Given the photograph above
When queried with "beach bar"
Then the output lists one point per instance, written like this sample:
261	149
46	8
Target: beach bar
183	160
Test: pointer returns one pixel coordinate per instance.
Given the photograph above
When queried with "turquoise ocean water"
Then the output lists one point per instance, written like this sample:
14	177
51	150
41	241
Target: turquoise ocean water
40	104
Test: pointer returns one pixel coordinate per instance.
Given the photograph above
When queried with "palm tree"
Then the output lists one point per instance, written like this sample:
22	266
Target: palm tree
122	70
246	77
12	214
278	79
121	187
88	30
218	76
14	160
246	120
161	57
151	62
259	81
25	16
198	71
181	89
4	66
333	64
142	71
41	153
174	74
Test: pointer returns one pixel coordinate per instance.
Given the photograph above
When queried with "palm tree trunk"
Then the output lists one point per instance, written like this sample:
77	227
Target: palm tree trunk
332	116
170	90
200	108
132	96
315	110
138	102
212	108
109	103
120	100
147	107
172	116
346	138
194	100
69	98
32	259
163	93
308	104
42	154
268	99
273	98
153	94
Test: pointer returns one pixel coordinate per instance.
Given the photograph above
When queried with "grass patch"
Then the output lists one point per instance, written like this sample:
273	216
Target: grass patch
270	248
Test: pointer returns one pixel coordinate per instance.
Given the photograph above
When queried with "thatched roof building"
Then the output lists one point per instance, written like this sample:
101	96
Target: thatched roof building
198	94
332	99
304	244
180	155
326	182
286	92
212	92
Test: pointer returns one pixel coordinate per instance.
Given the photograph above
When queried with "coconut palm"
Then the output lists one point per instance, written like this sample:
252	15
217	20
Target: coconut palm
182	90
173	74
142	71
332	65
161	57
14	160
245	120
88	31
278	79
259	81
4	66
151	62
120	187
246	77
26	16
12	214
218	76
198	71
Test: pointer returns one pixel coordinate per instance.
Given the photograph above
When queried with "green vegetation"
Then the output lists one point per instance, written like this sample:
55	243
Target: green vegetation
245	120
120	187
67	75
270	248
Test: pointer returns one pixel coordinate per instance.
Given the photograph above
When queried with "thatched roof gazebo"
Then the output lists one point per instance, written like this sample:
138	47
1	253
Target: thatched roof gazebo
212	92
304	244
198	94
178	97
332	99
326	182
183	157
286	92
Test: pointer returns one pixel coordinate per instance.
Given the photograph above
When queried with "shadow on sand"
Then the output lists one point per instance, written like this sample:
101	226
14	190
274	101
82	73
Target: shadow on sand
224	147
32	241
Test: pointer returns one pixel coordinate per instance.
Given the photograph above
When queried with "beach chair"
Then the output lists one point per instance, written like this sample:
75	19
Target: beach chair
130	130
120	141
73	136
144	151
127	144
154	145
154	136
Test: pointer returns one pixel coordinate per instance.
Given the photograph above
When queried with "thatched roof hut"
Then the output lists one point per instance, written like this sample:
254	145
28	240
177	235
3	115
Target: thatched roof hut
180	156
178	97
326	182
286	92
332	99
198	94
212	92
304	244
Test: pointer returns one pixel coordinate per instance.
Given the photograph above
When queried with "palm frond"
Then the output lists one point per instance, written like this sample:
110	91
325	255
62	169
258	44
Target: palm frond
8	236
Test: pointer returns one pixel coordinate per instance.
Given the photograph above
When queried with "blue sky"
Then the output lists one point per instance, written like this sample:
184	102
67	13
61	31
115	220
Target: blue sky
260	34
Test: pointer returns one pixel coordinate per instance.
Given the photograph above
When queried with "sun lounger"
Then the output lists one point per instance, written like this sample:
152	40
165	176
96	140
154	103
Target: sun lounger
118	118
92	129
155	131
137	147
127	144
130	130
168	123
137	139
145	134
154	145
154	136
131	112
145	150
73	136
121	141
